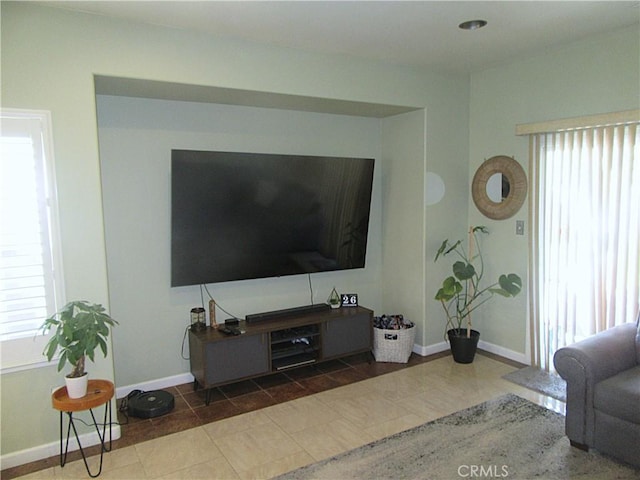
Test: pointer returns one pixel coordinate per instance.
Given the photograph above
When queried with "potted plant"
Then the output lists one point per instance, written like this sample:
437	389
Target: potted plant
463	292
334	299
80	327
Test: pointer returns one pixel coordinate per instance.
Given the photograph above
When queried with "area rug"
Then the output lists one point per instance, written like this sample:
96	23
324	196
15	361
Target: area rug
540	381
508	437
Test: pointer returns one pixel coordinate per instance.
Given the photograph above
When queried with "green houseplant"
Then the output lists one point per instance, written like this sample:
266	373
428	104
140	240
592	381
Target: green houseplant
334	299
80	328
464	291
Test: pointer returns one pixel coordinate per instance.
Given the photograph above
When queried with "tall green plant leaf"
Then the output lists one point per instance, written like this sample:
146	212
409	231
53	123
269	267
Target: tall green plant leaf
463	271
512	283
450	288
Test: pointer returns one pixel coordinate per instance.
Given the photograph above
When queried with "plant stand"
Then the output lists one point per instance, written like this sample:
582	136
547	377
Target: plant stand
101	393
463	348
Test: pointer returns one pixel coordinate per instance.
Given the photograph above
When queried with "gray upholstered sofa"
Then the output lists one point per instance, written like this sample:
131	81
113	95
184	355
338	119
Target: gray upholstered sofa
603	392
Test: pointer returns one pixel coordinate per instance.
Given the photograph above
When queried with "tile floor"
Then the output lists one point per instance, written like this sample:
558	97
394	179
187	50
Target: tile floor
262	428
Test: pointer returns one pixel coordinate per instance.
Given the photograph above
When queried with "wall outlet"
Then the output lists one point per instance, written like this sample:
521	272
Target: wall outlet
519	227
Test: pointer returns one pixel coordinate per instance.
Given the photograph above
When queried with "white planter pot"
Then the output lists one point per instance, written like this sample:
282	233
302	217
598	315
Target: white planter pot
77	387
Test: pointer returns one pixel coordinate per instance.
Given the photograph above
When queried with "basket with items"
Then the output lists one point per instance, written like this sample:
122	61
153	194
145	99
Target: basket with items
393	338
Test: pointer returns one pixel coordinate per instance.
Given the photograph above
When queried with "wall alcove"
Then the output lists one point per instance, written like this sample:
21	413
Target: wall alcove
139	121
153	89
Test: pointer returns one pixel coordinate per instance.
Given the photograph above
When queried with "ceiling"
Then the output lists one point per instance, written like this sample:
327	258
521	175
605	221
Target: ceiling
420	34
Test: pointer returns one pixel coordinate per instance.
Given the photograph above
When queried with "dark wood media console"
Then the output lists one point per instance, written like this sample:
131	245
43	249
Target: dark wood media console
277	345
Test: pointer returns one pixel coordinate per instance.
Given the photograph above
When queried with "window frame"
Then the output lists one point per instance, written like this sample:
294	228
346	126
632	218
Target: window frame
24	353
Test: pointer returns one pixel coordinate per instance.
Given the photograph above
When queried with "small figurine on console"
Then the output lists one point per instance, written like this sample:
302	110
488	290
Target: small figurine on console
212	314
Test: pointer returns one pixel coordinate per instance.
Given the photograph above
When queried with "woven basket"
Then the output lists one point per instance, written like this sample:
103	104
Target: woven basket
393	345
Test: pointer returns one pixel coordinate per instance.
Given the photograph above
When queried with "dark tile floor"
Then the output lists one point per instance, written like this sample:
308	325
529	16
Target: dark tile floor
236	398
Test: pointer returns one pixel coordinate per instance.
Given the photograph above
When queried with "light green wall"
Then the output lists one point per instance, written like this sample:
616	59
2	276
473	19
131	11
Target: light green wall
136	138
403	216
597	75
49	58
447	156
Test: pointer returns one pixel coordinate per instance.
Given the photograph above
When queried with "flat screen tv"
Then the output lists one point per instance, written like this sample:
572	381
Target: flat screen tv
238	216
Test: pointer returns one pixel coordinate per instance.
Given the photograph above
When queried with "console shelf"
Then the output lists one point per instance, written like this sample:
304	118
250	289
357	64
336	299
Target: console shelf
277	345
296	346
294	361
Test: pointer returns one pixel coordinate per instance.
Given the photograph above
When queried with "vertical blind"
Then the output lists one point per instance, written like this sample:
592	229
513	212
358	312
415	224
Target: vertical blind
585	248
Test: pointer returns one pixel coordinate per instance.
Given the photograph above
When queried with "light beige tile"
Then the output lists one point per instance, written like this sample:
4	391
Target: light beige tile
75	469
385	429
366	411
278	467
131	472
394	387
112	461
280	438
301	413
364	387
236	424
46	474
258	446
218	469
323	441
176	452
538	398
425	407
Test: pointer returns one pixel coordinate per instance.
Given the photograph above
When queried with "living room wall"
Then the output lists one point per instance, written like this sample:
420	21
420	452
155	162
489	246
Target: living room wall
49	60
50	57
597	75
136	137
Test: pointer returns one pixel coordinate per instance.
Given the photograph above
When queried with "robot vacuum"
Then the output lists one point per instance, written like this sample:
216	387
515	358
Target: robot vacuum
149	404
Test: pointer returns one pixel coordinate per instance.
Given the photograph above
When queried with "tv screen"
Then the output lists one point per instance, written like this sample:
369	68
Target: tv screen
238	216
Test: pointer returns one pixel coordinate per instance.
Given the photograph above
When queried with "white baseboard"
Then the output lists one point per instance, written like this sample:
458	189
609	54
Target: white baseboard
504	352
489	347
430	349
158	384
41	452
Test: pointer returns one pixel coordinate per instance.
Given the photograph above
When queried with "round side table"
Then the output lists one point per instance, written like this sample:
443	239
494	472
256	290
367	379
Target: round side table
99	392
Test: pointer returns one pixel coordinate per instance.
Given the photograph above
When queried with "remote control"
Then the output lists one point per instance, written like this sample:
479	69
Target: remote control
229	330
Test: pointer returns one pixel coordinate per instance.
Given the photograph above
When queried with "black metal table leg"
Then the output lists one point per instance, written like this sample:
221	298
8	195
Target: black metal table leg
103	448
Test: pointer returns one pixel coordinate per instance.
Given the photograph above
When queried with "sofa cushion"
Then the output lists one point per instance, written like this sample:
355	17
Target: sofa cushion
619	396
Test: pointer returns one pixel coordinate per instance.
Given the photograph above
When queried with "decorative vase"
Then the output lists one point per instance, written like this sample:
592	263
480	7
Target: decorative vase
77	386
463	348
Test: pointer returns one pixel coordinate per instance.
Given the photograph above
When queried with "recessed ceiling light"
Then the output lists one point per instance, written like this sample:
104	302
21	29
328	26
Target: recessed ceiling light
472	24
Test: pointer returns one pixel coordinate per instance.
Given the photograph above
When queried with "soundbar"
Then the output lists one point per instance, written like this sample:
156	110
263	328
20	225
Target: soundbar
287	312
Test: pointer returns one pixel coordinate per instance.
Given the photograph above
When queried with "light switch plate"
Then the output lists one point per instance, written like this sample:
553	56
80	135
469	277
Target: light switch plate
519	227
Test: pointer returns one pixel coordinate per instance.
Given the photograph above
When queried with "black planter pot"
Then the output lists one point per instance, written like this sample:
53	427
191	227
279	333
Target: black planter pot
463	349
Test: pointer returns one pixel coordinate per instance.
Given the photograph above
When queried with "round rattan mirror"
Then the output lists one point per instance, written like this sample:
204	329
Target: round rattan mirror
511	182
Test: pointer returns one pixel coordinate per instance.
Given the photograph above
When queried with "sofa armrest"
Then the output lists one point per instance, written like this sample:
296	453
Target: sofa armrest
586	363
600	356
